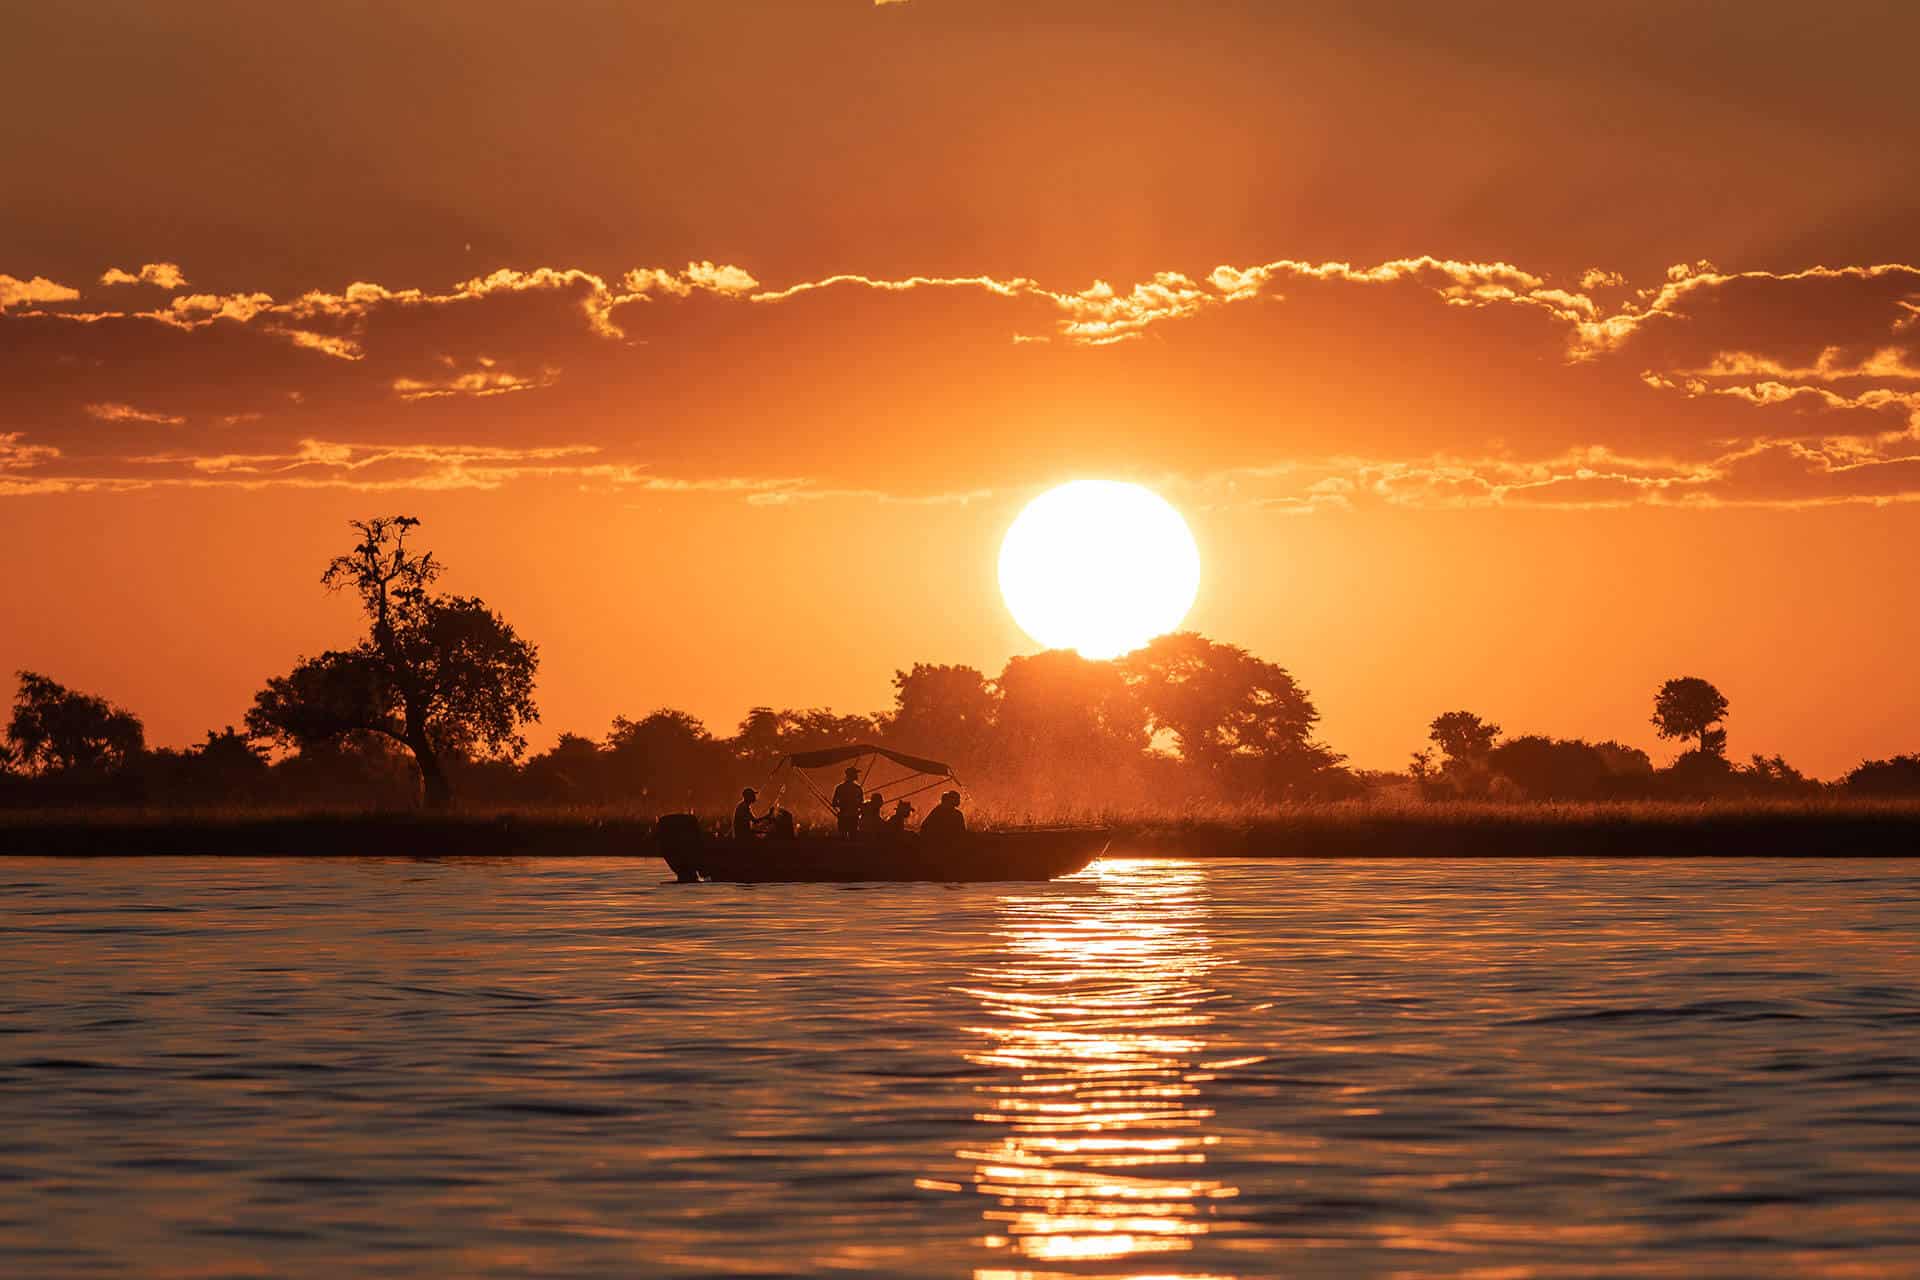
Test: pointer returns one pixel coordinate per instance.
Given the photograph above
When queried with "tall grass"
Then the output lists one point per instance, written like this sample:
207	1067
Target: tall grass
1820	826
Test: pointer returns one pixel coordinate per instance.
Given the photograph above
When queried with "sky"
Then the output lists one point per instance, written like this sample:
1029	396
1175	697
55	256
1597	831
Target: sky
1503	357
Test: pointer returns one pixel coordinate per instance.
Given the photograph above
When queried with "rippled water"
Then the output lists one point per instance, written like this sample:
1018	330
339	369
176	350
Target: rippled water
1497	1069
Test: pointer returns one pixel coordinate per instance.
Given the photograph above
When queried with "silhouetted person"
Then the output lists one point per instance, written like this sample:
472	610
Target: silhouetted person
870	819
846	803
896	824
946	822
743	819
780	825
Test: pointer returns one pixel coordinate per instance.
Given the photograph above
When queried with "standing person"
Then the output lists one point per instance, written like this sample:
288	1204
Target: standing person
743	819
846	802
946	822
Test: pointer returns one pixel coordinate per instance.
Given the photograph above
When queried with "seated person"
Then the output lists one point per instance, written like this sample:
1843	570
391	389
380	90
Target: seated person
743	820
870	814
946	821
897	820
780	825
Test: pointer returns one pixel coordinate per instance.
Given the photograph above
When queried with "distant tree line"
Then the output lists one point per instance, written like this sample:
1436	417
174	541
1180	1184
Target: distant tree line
1469	760
432	702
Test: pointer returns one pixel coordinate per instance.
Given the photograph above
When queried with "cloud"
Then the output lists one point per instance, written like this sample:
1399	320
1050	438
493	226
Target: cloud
115	411
167	275
318	464
16	454
485	379
15	292
1420	382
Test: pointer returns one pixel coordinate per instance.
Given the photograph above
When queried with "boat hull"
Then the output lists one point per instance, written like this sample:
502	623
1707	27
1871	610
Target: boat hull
977	856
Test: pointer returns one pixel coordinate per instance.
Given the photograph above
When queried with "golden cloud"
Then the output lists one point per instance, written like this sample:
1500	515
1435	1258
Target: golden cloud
167	275
114	411
15	292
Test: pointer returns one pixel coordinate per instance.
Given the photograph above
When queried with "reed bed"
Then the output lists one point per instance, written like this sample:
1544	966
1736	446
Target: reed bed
1819	827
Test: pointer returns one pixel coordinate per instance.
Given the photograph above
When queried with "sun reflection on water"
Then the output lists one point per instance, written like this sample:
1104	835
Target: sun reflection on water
1098	1023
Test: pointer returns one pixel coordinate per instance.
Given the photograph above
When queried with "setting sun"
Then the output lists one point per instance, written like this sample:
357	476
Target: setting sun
1099	566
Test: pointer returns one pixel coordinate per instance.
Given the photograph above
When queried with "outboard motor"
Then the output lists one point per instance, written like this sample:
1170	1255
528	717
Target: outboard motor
679	838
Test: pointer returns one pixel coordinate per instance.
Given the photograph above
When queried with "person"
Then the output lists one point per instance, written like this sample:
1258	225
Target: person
782	826
870	814
743	819
897	820
946	821
846	802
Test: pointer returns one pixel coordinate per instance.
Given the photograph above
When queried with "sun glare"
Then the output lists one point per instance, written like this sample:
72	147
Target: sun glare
1099	566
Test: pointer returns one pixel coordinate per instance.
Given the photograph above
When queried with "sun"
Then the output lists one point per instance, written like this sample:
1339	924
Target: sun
1099	566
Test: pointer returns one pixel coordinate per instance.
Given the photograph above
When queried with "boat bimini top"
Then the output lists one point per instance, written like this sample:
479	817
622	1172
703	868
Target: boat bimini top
865	755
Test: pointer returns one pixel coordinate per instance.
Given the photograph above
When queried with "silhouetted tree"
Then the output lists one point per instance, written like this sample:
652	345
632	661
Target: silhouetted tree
1550	768
1623	761
1241	720
55	729
667	759
765	734
1699	774
1899	776
1689	707
1069	729
1463	735
1772	774
442	675
361	769
942	711
225	769
572	771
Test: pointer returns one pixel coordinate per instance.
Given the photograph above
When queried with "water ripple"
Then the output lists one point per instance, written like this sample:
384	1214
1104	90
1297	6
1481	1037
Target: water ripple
1195	1069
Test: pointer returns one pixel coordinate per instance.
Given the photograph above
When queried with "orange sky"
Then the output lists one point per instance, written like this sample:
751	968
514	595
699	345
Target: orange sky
649	309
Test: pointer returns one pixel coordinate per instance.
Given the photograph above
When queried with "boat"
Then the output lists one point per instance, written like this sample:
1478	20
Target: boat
1016	853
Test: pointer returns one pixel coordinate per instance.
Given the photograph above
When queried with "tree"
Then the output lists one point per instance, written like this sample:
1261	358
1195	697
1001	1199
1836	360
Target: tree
1689	707
1899	776
1774	774
1242	720
442	675
766	734
1623	761
57	730
1463	735
1551	768
943	711
669	757
1069	728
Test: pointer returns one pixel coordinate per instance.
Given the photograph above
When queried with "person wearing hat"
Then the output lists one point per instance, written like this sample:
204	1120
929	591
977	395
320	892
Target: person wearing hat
846	802
743	818
870	815
946	821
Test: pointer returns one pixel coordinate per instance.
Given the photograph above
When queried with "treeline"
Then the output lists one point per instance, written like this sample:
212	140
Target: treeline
1469	760
431	703
1184	720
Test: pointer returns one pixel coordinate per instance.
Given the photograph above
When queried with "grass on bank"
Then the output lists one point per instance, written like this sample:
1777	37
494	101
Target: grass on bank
1821	827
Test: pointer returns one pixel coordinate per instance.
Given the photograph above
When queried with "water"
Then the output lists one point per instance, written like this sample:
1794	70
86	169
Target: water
1169	1068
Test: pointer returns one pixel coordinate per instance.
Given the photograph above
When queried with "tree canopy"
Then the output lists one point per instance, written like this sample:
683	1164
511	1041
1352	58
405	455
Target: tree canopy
55	729
1689	707
1242	719
443	675
1462	735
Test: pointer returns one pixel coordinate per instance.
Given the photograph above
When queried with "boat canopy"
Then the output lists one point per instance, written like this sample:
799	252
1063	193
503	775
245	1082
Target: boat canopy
858	751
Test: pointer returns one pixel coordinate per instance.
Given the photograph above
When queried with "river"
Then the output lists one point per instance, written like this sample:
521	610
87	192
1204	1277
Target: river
236	1067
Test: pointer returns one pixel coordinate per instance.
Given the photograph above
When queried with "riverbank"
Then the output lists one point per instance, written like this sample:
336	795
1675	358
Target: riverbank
1820	829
